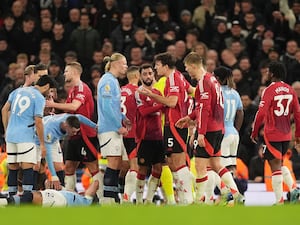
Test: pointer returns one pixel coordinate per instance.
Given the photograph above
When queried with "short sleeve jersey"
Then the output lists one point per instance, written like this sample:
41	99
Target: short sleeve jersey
26	104
128	106
83	94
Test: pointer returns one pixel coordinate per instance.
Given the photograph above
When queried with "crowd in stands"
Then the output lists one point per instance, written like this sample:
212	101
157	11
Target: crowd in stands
243	35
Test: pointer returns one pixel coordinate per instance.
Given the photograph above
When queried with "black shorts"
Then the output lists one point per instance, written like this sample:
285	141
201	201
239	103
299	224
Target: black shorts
172	141
281	147
77	150
150	152
212	148
130	147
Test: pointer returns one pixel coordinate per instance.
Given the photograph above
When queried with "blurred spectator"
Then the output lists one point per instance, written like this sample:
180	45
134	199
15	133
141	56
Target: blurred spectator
154	38
7	55
235	34
220	34
289	60
165	26
201	49
8	28
107	48
228	59
262	52
55	71
59	11
27	39
70	56
98	58
213	54
73	23
203	14
122	36
46	28
191	39
139	40
256	166
146	19
107	19
295	68
17	10
44	57
257	98
238	49
180	53
136	57
59	41
241	84
22	60
186	24
247	147
84	40
210	65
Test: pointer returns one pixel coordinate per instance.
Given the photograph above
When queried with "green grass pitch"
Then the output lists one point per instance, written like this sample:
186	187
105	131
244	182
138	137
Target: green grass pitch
151	215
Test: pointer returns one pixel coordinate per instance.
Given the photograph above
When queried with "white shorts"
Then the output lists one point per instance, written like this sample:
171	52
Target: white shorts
57	154
21	152
111	144
229	147
53	198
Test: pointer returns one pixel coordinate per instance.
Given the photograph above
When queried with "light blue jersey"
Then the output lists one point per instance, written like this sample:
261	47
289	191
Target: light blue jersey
109	104
53	133
232	103
26	103
74	199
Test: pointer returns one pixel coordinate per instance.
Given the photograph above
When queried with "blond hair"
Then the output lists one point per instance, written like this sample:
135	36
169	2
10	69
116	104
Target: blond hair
76	65
193	58
109	59
29	70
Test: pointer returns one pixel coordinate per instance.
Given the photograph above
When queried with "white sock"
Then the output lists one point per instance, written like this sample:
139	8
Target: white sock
139	191
227	178
201	183
210	187
99	177
287	178
130	184
3	202
176	183
277	180
70	182
185	186
153	183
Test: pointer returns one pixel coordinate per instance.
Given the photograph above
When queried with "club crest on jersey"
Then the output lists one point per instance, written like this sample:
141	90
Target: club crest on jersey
204	95
262	103
174	89
48	137
107	88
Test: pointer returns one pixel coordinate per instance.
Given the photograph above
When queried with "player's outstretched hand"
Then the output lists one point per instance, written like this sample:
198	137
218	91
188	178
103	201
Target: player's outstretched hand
181	123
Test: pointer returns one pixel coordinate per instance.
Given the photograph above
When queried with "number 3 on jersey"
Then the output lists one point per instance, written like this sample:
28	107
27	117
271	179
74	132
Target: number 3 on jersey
123	106
283	104
23	102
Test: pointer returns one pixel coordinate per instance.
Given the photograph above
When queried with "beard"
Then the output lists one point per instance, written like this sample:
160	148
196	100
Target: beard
148	83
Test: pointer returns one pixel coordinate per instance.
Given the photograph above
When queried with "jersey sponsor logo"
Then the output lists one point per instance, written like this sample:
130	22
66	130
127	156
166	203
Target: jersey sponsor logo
80	96
204	95
174	89
48	137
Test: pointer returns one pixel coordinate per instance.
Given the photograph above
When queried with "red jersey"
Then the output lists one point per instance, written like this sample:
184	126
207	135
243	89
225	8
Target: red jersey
148	117
176	85
278	102
209	110
83	94
128	106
